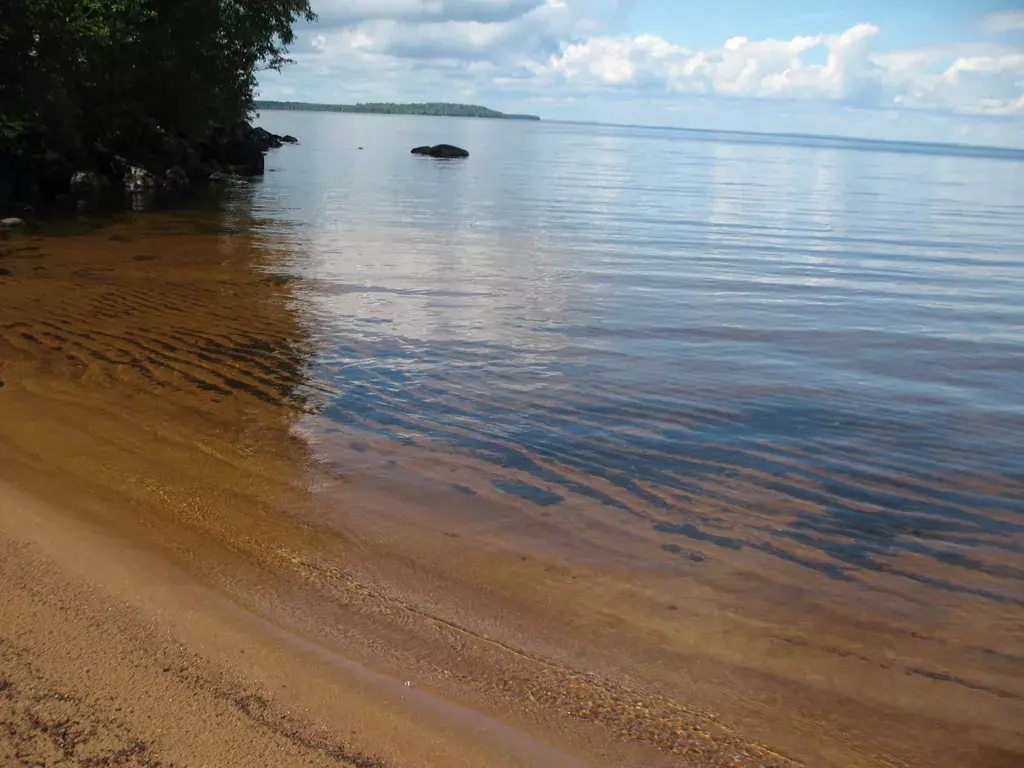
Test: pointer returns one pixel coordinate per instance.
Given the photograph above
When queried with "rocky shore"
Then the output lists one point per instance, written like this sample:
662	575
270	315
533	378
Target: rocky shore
149	159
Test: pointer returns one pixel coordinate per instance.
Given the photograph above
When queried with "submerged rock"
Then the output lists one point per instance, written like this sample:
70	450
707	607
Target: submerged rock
444	151
288	139
12	222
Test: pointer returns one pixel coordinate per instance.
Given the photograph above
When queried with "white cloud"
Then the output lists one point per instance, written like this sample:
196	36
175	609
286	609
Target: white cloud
560	52
986	65
982	79
496	30
740	67
614	61
1004	21
351	12
969	79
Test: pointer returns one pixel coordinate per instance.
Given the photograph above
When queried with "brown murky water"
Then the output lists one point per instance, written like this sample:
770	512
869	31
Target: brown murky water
196	379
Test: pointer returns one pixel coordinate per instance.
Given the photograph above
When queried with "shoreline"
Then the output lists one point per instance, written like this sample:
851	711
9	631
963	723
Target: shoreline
148	429
137	649
135	170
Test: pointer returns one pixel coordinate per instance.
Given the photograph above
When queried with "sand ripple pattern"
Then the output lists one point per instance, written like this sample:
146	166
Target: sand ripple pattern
146	303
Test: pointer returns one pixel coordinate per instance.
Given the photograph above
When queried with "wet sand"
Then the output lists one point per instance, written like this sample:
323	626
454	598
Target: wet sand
189	583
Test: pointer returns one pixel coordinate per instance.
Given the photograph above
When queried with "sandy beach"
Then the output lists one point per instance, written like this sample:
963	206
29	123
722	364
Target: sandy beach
187	583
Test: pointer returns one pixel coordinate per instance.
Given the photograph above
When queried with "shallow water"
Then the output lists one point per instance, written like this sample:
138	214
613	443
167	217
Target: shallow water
731	422
812	349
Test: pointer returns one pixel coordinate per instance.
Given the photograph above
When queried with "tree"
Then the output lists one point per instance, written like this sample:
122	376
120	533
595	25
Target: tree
77	72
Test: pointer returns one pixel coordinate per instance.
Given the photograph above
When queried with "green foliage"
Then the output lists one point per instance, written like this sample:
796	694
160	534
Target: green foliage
432	108
76	71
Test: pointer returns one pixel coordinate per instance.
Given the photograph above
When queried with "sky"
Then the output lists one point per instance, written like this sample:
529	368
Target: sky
915	70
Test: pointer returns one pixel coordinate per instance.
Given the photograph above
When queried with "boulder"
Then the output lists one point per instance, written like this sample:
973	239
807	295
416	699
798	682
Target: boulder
176	178
109	165
139	179
236	149
119	168
264	139
444	151
448	151
194	167
252	166
86	183
169	149
242	157
52	173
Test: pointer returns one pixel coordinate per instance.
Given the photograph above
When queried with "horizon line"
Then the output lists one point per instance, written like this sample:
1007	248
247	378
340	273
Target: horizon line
730	131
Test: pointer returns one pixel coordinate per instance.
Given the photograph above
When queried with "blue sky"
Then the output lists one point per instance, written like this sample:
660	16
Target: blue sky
905	23
945	70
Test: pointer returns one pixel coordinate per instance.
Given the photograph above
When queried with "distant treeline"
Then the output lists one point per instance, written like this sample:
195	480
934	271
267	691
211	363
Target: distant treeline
433	108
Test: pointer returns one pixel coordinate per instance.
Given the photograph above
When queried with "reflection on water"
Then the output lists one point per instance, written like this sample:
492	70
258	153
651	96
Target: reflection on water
783	374
801	350
811	352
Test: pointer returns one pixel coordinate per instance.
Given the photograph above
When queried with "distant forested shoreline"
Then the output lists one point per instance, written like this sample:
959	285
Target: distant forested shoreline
441	109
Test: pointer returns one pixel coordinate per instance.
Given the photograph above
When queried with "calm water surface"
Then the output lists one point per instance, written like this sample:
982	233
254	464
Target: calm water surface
808	349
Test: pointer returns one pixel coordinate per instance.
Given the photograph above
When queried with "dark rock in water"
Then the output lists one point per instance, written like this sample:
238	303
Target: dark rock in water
118	168
238	148
52	173
176	178
139	179
168	148
137	157
255	166
108	164
197	171
447	150
86	183
244	158
262	137
444	151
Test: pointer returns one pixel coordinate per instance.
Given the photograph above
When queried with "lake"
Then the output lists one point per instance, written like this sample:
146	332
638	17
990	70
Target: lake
643	442
809	348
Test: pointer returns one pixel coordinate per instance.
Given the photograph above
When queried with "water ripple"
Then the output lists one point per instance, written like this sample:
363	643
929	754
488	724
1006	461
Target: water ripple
808	349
